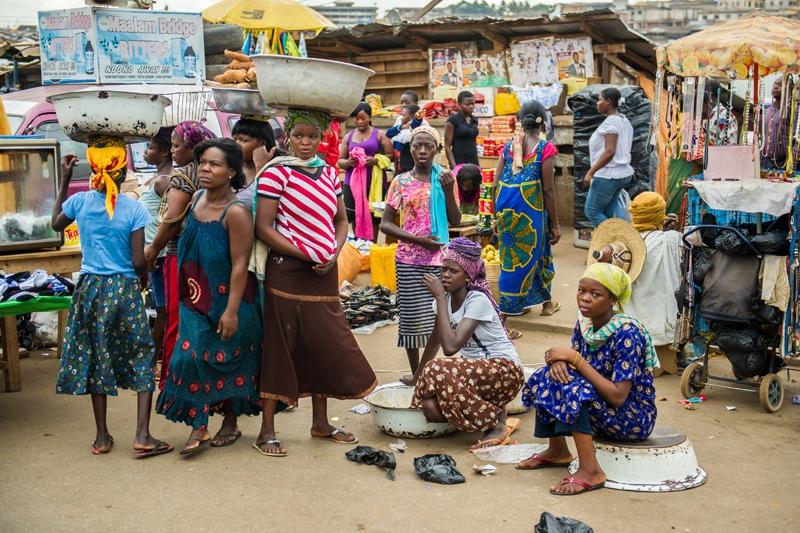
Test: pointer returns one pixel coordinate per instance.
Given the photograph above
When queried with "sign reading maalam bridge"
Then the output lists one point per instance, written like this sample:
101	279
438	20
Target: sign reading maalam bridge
122	46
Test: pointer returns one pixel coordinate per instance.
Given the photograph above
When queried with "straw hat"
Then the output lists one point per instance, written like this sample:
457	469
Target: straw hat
627	245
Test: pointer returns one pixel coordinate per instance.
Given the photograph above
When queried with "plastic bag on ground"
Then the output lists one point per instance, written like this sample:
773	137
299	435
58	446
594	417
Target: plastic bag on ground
367	455
508	454
438	468
548	523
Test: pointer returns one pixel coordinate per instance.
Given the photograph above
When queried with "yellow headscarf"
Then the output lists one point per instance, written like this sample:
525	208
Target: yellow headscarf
612	278
648	211
108	158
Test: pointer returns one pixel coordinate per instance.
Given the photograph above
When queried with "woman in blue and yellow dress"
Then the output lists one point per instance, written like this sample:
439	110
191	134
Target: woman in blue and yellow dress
526	217
601	385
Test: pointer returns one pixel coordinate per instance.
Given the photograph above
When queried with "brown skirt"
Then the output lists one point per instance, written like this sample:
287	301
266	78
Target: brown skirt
308	349
470	392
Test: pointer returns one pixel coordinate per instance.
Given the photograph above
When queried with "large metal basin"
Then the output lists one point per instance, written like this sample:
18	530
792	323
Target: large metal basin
320	84
391	412
134	116
240	101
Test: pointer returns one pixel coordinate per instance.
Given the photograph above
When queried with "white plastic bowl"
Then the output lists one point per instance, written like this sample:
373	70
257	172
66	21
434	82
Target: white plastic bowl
319	84
515	407
133	116
392	414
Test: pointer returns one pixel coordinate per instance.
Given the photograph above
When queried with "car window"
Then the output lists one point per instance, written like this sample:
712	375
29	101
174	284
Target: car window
15	121
51	130
137	152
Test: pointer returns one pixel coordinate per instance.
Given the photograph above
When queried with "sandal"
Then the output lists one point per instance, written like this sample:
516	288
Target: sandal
192	450
274	443
221	440
160	448
514	334
570	480
101	451
556	309
543	463
332	436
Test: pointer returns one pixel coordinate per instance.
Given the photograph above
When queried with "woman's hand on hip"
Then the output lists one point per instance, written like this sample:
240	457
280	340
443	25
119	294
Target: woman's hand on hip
228	324
434	285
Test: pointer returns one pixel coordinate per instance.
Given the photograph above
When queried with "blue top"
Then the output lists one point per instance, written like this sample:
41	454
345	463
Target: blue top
106	244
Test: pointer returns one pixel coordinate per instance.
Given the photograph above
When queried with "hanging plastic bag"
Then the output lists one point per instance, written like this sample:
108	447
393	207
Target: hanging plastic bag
438	468
506	104
548	523
382	266
367	455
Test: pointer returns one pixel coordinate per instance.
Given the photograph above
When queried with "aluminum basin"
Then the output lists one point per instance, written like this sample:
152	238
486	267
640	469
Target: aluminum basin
392	414
240	101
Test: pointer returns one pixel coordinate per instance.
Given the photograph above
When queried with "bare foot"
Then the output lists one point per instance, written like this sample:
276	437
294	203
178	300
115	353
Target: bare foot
493	437
547	457
581	481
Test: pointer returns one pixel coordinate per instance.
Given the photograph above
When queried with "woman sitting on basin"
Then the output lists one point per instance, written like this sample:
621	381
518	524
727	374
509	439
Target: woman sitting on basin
470	392
602	384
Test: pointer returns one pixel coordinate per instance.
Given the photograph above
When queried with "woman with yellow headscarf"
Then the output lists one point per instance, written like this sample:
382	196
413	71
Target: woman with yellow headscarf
600	385
652	302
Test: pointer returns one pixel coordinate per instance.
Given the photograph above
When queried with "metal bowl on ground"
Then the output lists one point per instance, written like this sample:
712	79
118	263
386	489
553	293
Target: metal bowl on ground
240	101
133	116
392	414
665	462
515	407
318	84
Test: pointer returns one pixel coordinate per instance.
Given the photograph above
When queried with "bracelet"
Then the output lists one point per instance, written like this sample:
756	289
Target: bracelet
580	364
574	361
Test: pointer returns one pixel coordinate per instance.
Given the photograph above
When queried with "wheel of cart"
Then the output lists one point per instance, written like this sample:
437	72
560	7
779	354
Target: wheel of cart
696	375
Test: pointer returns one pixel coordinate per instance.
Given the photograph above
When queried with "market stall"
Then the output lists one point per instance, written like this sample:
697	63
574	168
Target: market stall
740	258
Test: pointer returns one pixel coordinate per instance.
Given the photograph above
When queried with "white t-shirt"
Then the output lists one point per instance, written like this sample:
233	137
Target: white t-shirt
489	340
620	166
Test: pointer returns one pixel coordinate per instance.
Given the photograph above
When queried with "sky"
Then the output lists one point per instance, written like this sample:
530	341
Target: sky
24	11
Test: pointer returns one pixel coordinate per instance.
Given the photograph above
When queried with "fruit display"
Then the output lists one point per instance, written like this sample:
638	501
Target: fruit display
490	255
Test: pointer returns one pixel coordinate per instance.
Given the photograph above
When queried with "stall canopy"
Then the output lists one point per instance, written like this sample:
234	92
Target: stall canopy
265	15
772	43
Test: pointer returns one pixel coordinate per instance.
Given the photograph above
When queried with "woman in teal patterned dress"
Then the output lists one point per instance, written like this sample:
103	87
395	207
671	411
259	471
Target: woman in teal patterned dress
526	218
218	354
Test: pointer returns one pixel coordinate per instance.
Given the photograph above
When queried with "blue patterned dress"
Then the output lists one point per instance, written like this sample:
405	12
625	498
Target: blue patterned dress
620	358
204	370
526	260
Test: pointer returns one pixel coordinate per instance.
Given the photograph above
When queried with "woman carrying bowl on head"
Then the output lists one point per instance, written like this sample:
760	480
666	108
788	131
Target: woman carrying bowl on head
309	349
427	199
216	363
602	384
183	184
470	392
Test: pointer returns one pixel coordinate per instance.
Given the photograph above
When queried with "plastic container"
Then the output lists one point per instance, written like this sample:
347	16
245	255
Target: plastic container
382	265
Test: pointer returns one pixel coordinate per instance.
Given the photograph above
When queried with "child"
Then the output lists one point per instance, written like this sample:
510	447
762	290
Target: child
159	154
108	343
469	179
400	134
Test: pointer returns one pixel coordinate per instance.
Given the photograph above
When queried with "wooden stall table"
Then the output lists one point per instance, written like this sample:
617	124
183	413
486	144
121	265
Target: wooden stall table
64	262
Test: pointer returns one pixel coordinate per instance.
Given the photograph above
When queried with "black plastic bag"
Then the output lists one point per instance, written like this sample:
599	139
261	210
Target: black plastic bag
768	315
548	523
438	468
701	259
730	242
368	455
772	242
746	349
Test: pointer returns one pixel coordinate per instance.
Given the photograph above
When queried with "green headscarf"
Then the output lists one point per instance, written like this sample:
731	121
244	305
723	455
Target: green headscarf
319	119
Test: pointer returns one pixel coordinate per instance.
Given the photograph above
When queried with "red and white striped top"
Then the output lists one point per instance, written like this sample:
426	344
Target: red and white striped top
306	208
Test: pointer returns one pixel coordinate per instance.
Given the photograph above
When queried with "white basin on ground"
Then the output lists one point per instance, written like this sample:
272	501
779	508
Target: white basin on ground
392	414
515	406
665	462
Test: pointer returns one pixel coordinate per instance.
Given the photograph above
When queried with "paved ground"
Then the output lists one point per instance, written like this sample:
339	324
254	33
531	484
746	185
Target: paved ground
49	481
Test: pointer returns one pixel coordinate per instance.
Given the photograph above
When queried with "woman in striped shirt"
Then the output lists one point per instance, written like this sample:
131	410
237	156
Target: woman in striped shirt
301	216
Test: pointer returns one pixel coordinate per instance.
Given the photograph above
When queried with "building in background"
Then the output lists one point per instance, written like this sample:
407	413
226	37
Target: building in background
344	13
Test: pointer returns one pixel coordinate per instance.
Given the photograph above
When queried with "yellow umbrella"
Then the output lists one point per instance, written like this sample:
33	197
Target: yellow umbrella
772	43
5	127
263	15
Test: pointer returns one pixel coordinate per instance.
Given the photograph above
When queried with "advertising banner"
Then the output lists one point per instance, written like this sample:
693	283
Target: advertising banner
66	40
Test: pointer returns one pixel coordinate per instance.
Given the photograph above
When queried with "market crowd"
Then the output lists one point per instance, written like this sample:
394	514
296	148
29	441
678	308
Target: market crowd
239	240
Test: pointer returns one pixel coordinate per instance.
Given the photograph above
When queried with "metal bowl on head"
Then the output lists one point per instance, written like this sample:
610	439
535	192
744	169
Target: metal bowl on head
132	116
304	83
391	412
240	101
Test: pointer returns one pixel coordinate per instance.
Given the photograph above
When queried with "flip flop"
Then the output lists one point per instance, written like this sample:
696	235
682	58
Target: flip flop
543	463
225	439
160	448
202	443
512	424
514	334
556	309
99	451
587	487
332	437
274	442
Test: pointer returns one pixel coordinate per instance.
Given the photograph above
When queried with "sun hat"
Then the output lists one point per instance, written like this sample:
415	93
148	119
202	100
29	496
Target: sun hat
628	250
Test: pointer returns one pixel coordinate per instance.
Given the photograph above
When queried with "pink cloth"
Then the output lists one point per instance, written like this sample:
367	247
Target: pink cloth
358	186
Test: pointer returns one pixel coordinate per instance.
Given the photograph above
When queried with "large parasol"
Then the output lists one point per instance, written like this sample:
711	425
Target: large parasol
265	15
772	43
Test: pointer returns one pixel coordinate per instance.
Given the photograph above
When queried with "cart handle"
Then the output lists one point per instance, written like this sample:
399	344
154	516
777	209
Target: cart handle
710	226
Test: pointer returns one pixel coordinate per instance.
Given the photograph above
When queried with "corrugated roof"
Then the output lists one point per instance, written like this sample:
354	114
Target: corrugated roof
603	26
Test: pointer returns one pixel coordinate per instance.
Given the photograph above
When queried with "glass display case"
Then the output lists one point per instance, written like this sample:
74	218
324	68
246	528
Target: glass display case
30	170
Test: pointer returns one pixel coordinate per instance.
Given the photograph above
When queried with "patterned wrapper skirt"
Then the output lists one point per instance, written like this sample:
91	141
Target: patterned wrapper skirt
415	303
471	392
107	342
308	349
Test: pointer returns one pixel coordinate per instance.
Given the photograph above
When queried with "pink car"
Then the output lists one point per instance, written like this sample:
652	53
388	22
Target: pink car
29	113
